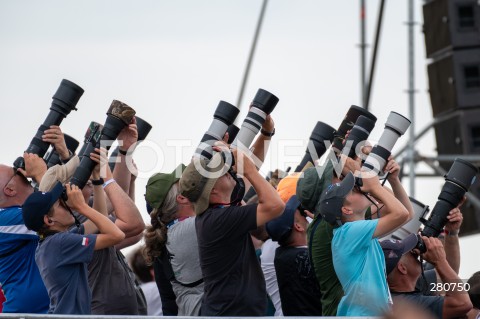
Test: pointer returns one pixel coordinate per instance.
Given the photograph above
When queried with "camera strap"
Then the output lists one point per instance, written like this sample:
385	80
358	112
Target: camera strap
77	222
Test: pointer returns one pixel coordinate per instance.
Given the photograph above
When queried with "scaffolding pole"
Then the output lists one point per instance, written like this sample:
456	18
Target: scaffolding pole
411	97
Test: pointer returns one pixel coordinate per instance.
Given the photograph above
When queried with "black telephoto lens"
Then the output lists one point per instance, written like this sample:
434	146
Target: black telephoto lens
321	132
458	180
359	133
119	115
64	101
348	122
232	133
143	128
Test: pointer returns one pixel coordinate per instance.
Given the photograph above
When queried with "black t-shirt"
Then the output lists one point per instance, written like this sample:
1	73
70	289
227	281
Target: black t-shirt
297	284
234	282
432	303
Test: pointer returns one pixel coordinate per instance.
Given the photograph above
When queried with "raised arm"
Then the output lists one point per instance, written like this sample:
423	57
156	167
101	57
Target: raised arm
393	170
457	302
452	244
110	234
270	204
397	213
128	138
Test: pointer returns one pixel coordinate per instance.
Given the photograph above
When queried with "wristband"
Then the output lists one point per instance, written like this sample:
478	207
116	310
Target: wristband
122	151
98	182
268	134
111	180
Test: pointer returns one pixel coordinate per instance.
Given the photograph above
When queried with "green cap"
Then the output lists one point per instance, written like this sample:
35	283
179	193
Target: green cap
159	184
312	184
199	178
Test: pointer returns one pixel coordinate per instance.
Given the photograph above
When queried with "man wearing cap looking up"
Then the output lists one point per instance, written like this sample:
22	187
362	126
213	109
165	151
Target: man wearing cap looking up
171	240
299	290
234	283
320	232
19	277
357	255
403	270
62	255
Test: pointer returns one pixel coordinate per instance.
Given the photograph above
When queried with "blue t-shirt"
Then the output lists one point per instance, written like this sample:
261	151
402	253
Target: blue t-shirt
62	259
19	276
360	266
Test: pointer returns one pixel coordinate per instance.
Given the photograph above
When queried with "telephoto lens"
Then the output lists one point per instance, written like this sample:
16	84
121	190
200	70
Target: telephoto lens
232	133
321	132
359	133
458	180
224	116
143	128
64	101
262	105
119	115
93	132
52	158
348	122
395	127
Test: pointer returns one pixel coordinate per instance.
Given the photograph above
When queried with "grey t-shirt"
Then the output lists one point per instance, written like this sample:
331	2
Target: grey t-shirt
182	246
113	291
434	304
62	260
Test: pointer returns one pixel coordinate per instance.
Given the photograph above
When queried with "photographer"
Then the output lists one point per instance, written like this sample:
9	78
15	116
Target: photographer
19	276
234	283
51	217
356	252
173	218
404	269
118	293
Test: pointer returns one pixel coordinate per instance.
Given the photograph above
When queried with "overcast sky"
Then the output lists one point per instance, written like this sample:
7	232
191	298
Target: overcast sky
172	61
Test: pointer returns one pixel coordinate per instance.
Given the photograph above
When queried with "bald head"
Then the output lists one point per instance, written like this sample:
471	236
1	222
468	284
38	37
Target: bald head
14	189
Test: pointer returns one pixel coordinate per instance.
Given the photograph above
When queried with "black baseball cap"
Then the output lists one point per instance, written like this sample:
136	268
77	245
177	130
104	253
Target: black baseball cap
332	199
38	204
394	249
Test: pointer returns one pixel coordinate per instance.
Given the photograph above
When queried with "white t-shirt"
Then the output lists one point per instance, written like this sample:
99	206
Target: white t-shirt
268	268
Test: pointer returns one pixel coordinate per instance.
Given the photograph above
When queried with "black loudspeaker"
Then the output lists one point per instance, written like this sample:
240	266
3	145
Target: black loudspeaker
459	134
451	24
452	40
454	81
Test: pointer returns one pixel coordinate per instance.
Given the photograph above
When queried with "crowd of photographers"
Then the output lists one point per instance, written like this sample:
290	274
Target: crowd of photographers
326	240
